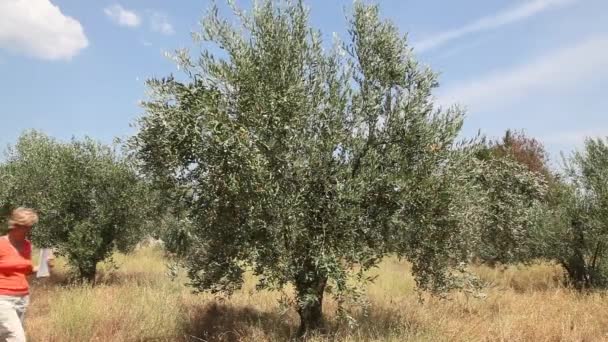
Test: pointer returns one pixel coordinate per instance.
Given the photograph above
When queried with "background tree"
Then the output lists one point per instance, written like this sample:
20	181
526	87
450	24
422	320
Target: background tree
516	198
514	202
90	200
305	164
575	229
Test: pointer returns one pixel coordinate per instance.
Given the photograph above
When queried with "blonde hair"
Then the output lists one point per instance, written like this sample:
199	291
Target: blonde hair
22	217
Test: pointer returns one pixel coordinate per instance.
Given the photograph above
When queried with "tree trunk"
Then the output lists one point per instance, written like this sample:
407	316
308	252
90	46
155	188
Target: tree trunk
310	299
87	273
577	272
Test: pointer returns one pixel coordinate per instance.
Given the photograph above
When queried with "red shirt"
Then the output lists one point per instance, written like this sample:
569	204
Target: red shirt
14	268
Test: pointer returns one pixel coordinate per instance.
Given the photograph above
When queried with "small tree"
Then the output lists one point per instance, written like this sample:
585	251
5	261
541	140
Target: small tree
89	198
575	228
516	184
305	164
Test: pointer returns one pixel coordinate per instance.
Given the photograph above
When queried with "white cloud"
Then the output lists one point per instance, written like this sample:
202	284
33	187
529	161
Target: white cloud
576	137
37	28
122	16
561	69
523	11
160	23
564	143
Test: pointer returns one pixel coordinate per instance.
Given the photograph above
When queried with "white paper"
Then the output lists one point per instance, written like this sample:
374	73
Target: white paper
43	265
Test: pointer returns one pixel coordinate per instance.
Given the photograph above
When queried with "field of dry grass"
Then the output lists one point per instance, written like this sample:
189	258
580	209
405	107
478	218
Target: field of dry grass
138	302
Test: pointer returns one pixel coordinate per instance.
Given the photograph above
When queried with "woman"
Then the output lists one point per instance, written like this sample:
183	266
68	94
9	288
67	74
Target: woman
15	266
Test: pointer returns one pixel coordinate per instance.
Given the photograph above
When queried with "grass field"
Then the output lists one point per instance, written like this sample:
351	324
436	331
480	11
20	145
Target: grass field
138	302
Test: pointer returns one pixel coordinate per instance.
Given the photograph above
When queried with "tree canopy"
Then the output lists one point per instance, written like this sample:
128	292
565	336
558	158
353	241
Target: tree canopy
308	164
89	198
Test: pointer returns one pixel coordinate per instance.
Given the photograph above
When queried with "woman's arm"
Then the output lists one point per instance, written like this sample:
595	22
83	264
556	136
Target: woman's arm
15	265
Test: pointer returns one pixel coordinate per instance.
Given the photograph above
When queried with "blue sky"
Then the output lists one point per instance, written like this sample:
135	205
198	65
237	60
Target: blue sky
73	67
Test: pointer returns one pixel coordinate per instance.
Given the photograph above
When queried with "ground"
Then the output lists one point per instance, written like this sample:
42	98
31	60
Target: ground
138	301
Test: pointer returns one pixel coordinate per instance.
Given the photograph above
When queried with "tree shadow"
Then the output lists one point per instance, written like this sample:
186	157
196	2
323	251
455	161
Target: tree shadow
56	279
377	323
219	322
123	278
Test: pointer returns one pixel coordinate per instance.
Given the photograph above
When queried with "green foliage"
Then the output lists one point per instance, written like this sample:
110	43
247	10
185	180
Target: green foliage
305	164
575	228
176	235
89	199
516	181
513	205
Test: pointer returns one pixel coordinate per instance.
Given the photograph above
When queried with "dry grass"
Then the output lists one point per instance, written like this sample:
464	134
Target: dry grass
138	302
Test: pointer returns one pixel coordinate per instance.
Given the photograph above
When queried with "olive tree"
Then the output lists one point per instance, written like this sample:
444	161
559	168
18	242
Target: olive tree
515	185
575	228
89	199
305	163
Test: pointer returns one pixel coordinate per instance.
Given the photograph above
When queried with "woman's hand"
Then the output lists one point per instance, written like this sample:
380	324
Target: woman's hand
51	260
